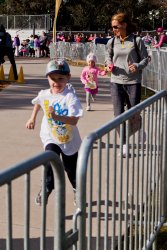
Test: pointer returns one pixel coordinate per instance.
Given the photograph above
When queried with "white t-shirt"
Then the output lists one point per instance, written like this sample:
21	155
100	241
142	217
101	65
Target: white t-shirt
66	136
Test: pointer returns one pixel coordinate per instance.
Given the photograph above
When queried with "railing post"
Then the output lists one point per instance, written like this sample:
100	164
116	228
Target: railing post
59	206
164	162
159	70
82	163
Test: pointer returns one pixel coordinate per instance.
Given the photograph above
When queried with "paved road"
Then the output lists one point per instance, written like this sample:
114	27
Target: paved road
18	143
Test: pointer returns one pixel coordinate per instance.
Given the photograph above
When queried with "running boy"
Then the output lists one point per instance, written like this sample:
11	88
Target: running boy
62	110
89	78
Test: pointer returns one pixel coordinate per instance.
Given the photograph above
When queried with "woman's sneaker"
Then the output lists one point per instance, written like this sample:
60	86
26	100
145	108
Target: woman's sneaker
124	151
38	199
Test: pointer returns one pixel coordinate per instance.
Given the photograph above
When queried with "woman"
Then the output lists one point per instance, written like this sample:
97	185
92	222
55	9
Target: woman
126	56
162	38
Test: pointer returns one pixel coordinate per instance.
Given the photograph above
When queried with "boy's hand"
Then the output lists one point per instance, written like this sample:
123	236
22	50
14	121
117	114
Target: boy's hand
52	112
30	124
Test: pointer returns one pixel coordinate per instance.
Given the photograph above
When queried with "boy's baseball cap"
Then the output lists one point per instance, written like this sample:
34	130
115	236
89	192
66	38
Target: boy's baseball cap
59	66
91	57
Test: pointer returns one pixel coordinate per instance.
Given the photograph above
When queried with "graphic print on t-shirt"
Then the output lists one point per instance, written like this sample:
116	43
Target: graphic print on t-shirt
62	133
91	84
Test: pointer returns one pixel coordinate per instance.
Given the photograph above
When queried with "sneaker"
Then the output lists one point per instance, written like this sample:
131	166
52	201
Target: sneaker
88	108
75	203
142	136
38	199
124	152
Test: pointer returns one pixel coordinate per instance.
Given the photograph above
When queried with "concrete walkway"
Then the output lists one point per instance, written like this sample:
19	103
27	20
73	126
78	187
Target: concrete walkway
18	144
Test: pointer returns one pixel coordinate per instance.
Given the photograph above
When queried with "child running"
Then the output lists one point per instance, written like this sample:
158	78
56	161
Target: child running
89	77
59	133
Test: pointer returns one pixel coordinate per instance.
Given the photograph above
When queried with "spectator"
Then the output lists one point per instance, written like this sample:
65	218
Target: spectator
83	38
91	38
7	49
155	40
147	39
16	44
31	46
162	38
77	38
43	45
24	50
36	46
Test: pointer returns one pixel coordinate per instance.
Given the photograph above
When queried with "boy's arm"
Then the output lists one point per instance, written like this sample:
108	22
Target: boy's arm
72	120
31	122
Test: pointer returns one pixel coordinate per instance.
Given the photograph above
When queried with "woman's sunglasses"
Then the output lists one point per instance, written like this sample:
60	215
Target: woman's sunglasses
115	27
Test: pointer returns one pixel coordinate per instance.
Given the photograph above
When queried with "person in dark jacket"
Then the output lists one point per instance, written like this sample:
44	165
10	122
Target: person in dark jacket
6	49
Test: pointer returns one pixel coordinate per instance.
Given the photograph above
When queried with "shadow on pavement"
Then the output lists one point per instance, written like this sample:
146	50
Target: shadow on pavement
19	96
18	244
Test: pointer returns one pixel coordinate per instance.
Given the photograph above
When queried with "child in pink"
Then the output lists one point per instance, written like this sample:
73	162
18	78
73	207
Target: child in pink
89	77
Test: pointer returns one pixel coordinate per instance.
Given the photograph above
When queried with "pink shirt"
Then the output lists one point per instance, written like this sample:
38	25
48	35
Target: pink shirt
90	75
163	39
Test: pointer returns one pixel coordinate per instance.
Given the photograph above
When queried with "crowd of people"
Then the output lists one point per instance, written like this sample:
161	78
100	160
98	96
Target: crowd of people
153	40
34	46
38	45
157	40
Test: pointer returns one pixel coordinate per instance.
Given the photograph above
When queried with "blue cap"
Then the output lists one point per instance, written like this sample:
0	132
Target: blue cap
58	66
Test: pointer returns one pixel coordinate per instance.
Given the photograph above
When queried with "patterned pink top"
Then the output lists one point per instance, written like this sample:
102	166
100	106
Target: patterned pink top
89	77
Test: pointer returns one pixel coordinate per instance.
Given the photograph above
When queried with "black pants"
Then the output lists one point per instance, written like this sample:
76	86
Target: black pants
8	51
70	164
122	94
10	55
1	55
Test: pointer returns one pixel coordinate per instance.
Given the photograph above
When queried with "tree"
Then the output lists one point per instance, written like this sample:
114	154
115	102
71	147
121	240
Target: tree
86	14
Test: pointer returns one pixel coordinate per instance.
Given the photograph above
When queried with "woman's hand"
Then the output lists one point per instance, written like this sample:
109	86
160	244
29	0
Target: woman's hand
132	68
110	67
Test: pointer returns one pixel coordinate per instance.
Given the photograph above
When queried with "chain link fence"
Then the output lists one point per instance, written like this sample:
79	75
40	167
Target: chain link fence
26	21
77	51
154	75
